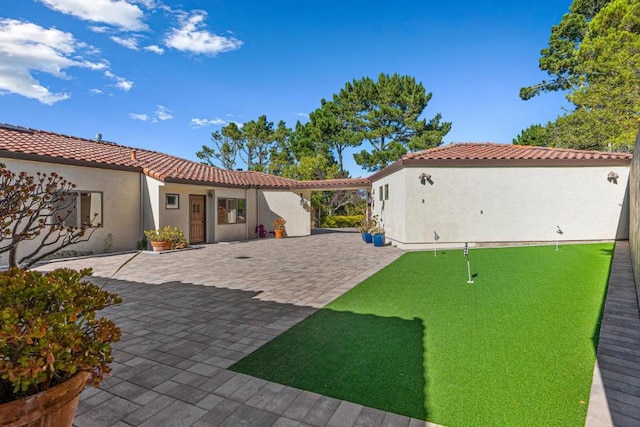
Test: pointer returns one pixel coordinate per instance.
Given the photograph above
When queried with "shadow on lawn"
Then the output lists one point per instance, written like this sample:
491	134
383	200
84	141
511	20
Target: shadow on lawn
371	360
595	338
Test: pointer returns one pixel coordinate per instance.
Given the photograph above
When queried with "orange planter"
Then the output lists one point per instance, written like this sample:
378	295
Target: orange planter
279	234
53	407
160	246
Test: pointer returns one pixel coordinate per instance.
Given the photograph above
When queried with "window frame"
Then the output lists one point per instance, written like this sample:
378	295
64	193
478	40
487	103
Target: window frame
235	203
77	206
175	205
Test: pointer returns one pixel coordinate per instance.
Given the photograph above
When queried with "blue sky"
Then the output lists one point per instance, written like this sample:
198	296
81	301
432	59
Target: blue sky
162	74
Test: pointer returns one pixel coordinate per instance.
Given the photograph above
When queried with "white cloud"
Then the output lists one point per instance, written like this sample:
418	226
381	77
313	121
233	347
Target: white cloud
128	42
95	91
121	82
191	37
99	29
118	13
141	117
198	123
149	4
305	115
162	113
155	49
26	48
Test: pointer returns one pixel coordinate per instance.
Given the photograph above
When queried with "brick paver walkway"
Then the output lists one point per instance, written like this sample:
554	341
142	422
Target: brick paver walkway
187	316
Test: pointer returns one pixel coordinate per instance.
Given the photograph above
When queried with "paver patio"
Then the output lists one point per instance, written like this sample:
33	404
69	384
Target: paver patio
187	316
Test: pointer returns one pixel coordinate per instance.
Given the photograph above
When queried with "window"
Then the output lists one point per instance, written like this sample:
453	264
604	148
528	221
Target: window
231	211
172	201
386	191
380	193
85	209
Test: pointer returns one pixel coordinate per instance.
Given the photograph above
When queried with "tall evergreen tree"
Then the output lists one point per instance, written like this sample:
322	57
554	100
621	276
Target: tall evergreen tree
387	113
227	141
599	69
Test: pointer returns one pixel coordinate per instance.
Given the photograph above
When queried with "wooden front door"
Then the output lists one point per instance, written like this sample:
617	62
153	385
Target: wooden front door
197	219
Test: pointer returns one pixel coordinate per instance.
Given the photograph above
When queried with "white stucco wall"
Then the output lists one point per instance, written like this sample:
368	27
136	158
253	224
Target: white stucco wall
391	212
285	204
180	217
506	204
260	209
120	204
151	202
233	232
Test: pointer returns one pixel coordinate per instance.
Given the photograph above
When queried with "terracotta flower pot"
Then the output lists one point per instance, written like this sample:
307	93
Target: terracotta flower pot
53	407
159	246
279	234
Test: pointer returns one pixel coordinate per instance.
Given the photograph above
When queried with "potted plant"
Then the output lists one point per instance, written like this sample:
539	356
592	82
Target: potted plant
175	237
378	236
366	225
278	225
158	239
51	344
363	228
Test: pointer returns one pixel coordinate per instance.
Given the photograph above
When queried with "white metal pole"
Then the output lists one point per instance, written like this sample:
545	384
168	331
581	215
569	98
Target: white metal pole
469	270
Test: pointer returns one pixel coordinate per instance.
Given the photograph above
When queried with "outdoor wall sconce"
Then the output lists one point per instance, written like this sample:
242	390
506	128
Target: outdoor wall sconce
613	177
210	194
301	200
424	178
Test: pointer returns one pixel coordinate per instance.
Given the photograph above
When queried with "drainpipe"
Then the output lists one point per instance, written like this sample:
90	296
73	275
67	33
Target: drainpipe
258	207
246	215
141	205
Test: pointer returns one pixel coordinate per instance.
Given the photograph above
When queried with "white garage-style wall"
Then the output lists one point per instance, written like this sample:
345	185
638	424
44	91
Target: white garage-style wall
288	205
121	203
504	204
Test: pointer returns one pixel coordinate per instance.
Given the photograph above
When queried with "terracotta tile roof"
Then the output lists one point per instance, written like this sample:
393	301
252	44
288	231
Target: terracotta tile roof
35	144
326	184
490	151
504	155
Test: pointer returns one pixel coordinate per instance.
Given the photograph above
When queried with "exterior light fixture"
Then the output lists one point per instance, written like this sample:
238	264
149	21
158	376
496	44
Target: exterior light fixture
424	178
613	177
301	200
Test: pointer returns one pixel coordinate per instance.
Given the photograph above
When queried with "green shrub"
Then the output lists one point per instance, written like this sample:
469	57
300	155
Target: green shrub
342	221
49	330
167	234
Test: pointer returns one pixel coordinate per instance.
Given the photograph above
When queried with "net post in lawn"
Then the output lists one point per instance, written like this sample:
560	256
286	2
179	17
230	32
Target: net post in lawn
559	232
435	242
465	253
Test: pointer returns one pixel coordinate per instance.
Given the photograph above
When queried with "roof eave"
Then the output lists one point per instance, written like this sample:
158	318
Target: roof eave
66	161
498	163
203	183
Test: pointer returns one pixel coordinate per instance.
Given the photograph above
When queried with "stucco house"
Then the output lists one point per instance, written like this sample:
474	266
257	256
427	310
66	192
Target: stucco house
480	193
133	190
475	193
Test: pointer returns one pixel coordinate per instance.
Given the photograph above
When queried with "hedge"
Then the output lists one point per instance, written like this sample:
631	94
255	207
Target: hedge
341	221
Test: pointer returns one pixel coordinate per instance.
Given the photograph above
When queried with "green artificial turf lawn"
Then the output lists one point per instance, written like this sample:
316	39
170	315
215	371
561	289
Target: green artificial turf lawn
517	347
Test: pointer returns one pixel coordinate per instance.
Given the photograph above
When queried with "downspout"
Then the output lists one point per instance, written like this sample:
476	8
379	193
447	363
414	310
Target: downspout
141	205
246	216
258	208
